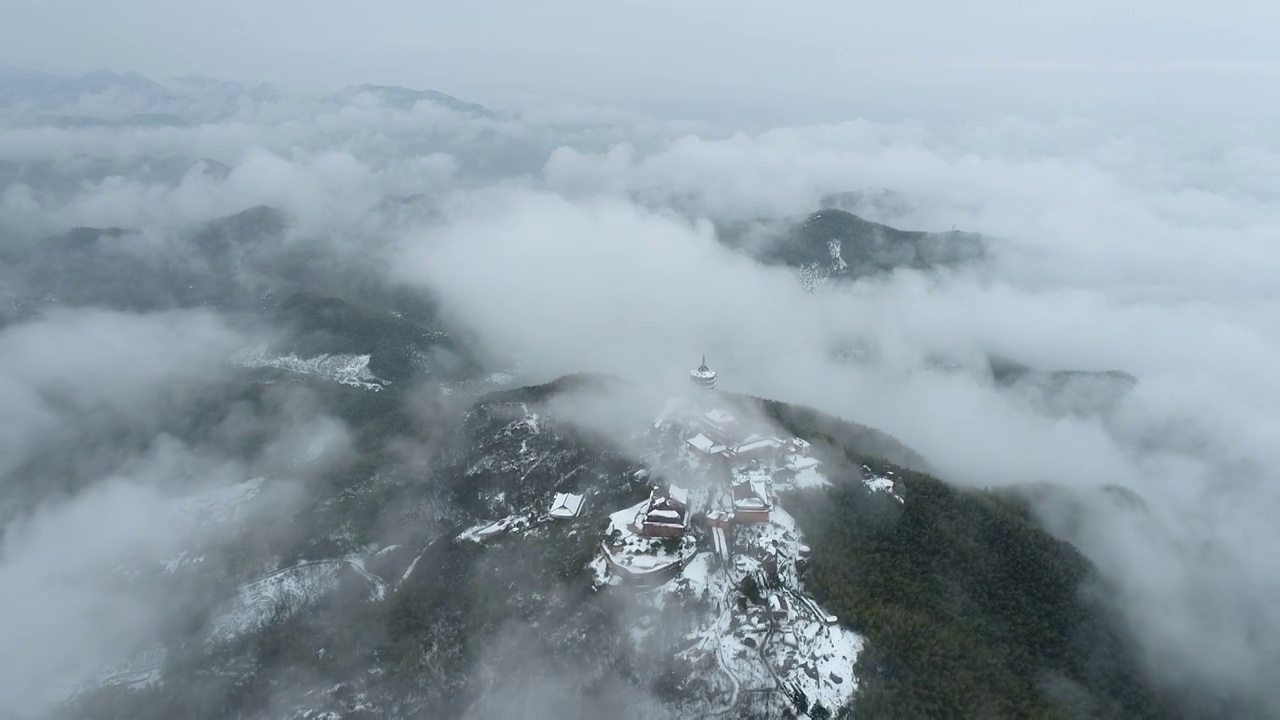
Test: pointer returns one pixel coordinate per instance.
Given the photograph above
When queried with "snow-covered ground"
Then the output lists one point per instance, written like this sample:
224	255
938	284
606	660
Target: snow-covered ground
282	593
881	483
746	650
637	555
346	369
142	669
743	648
488	529
808	472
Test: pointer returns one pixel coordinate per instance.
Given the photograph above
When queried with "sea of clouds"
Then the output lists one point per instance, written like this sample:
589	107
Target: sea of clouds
587	241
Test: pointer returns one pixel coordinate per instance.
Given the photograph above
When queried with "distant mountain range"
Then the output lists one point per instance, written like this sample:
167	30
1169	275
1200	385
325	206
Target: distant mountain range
241	264
111	99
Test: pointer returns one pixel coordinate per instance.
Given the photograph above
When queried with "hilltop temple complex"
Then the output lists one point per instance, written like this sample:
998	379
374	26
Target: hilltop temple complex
706	530
727	471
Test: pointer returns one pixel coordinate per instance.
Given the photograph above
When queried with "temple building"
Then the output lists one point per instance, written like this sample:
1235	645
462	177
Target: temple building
704	377
752	501
667	514
720	425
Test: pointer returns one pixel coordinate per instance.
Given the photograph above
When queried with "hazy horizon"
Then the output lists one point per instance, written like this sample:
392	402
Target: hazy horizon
746	64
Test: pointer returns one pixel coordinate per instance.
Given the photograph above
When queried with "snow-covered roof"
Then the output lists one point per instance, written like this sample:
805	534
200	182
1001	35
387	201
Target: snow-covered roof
701	442
718	416
755	497
703	373
665	514
704	444
758	444
566	505
678	494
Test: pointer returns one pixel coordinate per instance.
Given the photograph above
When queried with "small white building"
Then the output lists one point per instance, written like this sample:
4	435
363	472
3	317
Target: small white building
705	445
566	505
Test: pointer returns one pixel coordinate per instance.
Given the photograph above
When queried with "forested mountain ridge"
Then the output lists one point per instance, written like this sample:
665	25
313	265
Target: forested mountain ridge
833	243
967	609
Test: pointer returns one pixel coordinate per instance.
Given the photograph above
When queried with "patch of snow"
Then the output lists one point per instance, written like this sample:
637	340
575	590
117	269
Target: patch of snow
882	484
600	572
837	259
500	378
378	586
143	669
409	571
803	472
488	529
347	369
182	559
810	477
386	550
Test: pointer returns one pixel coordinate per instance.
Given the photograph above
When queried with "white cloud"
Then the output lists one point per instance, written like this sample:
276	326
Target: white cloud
69	365
79	561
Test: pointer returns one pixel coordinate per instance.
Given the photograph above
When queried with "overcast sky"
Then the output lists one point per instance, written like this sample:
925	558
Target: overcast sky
769	61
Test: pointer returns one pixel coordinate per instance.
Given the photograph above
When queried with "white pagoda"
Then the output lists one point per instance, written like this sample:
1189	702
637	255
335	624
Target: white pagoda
704	377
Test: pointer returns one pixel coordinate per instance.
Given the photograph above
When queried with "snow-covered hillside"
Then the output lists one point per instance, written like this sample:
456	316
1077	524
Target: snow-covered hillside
276	596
